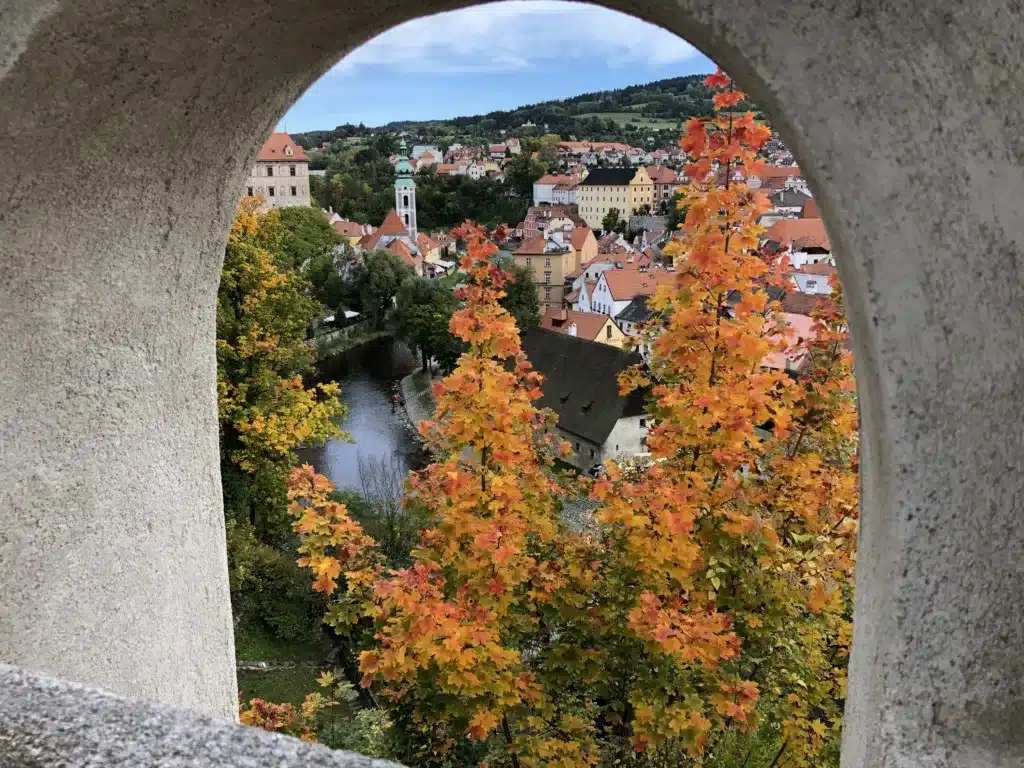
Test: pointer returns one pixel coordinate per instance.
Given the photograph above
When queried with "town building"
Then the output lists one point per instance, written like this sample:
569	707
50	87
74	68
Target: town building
281	173
665	182
805	241
585	325
616	288
814	278
623	189
581	386
550	257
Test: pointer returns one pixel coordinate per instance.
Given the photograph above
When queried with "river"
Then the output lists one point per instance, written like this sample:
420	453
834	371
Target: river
366	376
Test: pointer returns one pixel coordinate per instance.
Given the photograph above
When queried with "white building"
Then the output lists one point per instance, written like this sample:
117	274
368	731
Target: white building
814	278
616	288
281	173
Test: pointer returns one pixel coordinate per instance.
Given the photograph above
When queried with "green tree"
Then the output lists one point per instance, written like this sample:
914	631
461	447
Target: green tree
305	235
424	311
383	274
611	220
522	172
521	299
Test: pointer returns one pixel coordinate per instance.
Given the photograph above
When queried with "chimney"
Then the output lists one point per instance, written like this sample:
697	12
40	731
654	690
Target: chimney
571	330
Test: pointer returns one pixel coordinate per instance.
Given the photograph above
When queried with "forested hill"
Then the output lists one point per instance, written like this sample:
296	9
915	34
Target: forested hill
653	107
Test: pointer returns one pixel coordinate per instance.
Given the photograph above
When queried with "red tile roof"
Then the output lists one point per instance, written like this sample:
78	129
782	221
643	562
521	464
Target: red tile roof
579	237
348	228
662	175
399	247
277	148
393	224
571	297
532	246
810	210
801	233
821	268
425	242
624	284
802	303
588	324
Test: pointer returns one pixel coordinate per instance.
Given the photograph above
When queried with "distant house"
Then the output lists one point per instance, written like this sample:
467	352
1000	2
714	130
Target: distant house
544	189
785	204
448	169
497	151
550	257
581	386
805	241
476	171
814	278
616	288
281	173
665	181
585	325
513	146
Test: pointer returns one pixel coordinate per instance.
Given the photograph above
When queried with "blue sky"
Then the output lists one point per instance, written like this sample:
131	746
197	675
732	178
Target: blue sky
497	56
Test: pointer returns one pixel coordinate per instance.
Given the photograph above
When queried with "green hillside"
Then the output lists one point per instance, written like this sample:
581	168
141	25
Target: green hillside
651	108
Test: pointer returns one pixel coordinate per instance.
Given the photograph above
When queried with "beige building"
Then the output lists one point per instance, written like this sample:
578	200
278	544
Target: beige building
624	189
585	325
281	173
551	257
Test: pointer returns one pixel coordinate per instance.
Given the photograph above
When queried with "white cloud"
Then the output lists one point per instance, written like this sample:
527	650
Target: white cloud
516	36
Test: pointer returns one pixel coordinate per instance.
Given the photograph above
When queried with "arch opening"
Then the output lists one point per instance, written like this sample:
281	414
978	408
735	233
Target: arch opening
122	349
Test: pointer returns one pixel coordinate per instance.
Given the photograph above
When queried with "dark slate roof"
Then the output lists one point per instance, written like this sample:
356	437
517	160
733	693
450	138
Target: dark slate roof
609	177
581	382
788	198
636	311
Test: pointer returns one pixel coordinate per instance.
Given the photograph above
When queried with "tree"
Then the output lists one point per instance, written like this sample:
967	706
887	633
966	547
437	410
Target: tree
701	614
611	220
383	273
424	312
305	236
752	501
522	172
264	408
521	298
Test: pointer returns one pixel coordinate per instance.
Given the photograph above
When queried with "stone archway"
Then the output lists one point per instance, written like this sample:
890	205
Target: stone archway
125	125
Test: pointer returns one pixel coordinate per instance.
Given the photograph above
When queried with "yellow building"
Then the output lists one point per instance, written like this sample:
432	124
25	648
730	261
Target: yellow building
586	325
624	189
550	257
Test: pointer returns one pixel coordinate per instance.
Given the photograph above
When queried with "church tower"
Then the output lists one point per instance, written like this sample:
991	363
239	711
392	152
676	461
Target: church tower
405	192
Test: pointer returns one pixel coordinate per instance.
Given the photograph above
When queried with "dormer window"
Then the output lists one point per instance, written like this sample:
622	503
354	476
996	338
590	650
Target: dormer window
288	150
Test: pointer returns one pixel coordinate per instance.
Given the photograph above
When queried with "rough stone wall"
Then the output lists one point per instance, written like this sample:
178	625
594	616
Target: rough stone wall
905	117
45	723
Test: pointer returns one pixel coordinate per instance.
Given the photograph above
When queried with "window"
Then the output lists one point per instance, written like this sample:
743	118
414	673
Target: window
405	201
577	446
270	191
608	331
294	192
407	219
547	261
547	294
270	170
643	422
249	191
547	277
812	283
591	453
291	170
527	261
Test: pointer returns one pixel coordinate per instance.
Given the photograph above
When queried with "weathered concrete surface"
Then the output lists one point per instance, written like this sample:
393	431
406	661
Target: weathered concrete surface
126	129
49	723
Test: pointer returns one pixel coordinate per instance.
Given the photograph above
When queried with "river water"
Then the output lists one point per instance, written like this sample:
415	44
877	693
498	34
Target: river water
366	376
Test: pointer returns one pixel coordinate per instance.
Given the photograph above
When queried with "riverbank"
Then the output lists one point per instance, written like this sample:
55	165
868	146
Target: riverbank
335	345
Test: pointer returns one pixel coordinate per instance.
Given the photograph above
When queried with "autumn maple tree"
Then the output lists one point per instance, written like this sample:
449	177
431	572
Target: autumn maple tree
704	607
